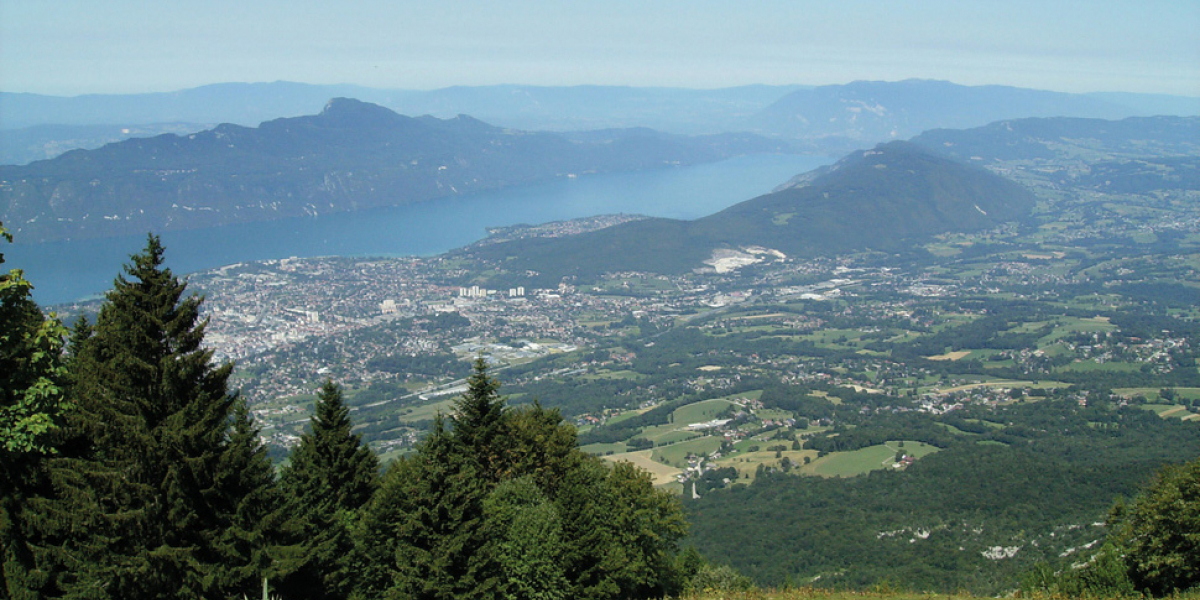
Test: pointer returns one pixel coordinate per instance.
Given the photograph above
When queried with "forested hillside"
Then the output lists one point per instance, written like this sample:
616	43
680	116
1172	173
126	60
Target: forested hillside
885	199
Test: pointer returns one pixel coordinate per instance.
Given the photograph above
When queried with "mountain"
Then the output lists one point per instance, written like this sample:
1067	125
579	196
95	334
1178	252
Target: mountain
833	119
1065	138
521	106
353	155
41	142
878	199
1137	155
874	111
238	103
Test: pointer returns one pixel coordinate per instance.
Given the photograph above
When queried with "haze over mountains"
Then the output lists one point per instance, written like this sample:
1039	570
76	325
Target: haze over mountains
351	156
834	118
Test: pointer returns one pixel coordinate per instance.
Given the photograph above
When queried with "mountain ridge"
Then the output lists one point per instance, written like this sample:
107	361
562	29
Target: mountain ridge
352	155
878	199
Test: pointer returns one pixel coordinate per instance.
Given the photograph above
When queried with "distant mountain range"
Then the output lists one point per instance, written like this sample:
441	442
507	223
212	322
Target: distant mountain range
351	156
832	119
881	199
866	112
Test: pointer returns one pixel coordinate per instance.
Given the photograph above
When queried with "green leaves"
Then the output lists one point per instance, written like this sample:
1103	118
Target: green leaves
31	369
330	477
1160	531
503	505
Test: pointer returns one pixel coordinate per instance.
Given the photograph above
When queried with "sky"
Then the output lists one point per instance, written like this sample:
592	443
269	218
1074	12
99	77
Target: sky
71	47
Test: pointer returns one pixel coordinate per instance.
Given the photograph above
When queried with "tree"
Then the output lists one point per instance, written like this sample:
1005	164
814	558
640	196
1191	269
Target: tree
140	495
1160	531
525	535
31	370
31	411
478	420
331	476
253	509
504	505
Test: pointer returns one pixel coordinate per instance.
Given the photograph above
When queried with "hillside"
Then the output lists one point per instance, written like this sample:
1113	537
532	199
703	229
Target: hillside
351	156
1066	138
878	199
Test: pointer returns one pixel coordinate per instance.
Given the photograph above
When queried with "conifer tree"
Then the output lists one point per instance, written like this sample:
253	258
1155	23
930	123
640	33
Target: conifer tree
252	505
141	498
330	477
479	422
503	505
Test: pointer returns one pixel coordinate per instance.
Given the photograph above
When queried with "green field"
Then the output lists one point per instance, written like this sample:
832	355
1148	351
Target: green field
676	454
1177	411
622	374
429	411
1189	393
857	462
700	412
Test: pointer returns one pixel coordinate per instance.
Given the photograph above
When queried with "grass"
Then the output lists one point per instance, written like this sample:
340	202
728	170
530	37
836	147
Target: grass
676	454
662	474
1190	393
700	412
624	374
1167	411
1091	366
857	462
429	411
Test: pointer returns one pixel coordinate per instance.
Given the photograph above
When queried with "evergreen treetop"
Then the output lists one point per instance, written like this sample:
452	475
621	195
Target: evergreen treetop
144	488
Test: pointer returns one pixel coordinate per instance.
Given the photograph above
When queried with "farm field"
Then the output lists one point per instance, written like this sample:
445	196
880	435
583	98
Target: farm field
871	458
662	474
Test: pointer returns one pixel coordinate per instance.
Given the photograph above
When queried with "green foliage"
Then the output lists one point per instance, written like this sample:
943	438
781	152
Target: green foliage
1159	532
1060	465
526	540
143	498
32	404
31	370
1105	576
503	505
718	578
330	476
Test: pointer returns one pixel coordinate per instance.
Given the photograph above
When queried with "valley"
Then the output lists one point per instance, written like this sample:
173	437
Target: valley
1040	365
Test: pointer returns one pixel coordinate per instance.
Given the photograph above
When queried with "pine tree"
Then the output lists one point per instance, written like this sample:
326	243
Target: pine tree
330	477
141	497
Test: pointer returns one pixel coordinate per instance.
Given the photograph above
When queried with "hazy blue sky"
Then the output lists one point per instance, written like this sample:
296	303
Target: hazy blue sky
105	46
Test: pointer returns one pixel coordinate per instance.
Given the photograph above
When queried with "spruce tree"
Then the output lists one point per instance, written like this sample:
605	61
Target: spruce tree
251	505
330	477
141	498
479	421
503	505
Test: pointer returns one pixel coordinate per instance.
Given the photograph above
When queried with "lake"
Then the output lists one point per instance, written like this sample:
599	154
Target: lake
72	270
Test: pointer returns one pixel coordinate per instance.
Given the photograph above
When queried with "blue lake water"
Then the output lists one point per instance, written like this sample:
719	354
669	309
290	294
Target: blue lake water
71	270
